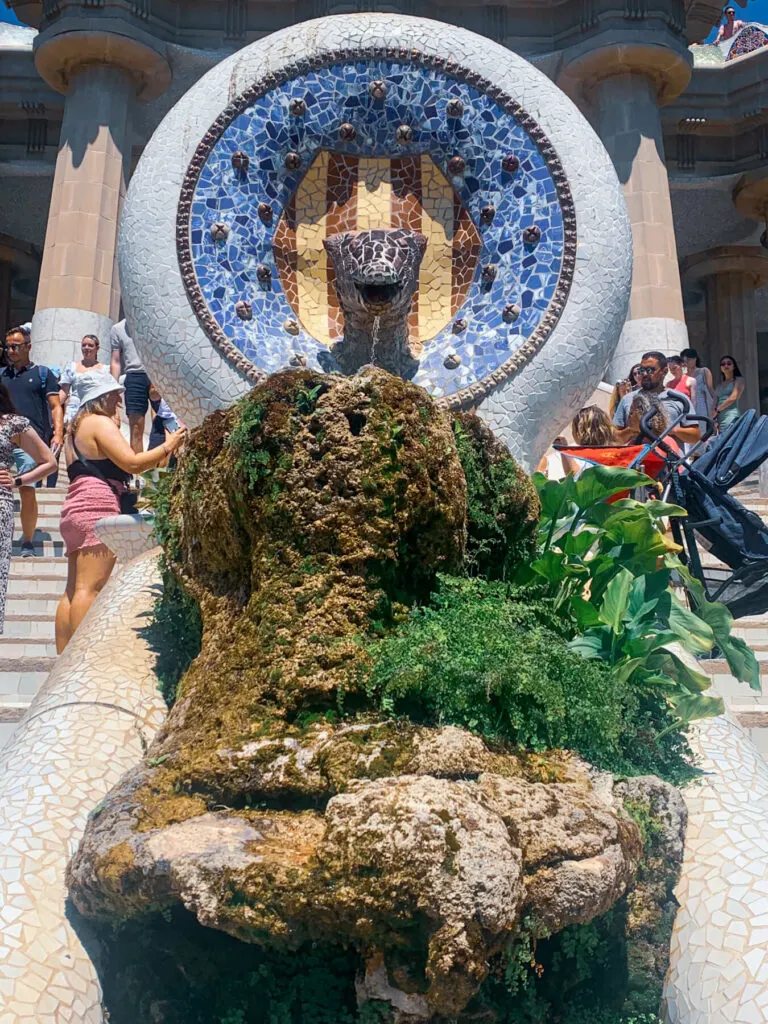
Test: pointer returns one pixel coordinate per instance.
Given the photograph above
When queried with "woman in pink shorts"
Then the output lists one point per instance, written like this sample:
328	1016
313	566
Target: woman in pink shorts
100	463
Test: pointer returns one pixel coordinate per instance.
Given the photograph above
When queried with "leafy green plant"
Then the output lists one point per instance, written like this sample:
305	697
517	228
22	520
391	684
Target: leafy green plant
499	667
608	567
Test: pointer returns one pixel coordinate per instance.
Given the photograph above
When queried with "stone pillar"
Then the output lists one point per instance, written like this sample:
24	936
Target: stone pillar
730	274
624	87
79	291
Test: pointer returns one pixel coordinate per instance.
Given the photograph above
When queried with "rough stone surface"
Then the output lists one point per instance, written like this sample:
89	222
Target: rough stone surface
525	411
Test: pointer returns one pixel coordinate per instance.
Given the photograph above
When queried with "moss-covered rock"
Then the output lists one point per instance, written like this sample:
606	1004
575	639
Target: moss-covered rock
281	805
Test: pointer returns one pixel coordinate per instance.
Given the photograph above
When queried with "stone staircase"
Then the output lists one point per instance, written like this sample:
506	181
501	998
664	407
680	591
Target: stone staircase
749	707
27	648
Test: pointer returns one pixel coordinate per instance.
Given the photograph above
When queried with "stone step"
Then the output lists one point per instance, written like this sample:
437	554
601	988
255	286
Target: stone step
45	586
27	649
45	496
29	627
46	546
43	605
37	661
47	523
38	567
16	687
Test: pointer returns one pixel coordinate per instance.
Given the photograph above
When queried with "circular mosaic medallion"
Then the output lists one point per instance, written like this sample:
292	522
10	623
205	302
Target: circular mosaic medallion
370	140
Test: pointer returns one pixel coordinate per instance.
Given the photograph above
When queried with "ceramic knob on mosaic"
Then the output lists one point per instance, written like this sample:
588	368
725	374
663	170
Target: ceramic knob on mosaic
452	361
510	164
298	108
244	310
219	232
291	327
347	132
456	166
297	360
404	133
263	274
241	161
511	313
532	235
487	214
459	326
378	89
489	273
454	109
265	212
292	162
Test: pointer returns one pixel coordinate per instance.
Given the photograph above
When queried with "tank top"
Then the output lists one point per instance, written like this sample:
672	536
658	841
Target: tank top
101	469
681	385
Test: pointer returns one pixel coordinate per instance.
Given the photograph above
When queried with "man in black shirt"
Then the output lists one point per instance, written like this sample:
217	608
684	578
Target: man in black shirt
34	391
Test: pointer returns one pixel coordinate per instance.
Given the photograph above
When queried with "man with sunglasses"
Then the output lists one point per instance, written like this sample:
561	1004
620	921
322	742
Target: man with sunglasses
34	391
651	372
731	26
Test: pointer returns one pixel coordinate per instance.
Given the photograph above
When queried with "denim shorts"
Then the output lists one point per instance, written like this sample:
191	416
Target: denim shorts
24	464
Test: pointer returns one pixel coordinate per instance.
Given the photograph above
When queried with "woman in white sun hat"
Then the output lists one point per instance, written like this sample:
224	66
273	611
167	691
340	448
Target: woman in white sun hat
100	463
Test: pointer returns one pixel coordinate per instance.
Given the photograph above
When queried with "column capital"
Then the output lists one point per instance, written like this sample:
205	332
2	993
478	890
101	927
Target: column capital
59	56
668	69
750	196
748	261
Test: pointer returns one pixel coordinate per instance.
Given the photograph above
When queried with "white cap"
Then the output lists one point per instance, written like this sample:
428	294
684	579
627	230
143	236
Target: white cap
96	385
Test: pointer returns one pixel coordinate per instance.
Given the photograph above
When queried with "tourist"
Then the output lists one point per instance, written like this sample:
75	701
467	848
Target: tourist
705	388
34	391
99	465
620	389
681	380
729	391
125	360
16	433
653	370
556	465
730	26
634	377
164	421
71	383
591	427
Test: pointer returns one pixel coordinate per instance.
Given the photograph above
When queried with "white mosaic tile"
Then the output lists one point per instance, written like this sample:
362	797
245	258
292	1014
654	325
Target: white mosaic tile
89	724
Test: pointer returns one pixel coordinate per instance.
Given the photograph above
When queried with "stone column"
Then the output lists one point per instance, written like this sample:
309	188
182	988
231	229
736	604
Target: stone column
730	274
79	291
624	86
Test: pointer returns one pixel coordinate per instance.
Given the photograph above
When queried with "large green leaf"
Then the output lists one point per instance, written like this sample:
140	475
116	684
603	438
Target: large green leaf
673	665
551	565
595	643
615	601
578	544
583	612
600	482
691	630
693	706
658	509
741	661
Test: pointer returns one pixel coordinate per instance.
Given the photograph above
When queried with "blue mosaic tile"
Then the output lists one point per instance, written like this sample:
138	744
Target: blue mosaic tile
527	275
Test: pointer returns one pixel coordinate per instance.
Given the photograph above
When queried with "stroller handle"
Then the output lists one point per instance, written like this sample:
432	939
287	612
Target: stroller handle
684	419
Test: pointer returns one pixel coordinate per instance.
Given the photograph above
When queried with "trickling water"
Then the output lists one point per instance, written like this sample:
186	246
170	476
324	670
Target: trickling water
375	338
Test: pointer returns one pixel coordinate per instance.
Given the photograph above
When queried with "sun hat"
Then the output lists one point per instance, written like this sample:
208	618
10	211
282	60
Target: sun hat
96	385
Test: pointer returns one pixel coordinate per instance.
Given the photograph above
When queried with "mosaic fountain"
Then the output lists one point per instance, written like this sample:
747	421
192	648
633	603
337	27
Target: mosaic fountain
358	190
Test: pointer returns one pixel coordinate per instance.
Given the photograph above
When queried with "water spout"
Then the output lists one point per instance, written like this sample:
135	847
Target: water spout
375	338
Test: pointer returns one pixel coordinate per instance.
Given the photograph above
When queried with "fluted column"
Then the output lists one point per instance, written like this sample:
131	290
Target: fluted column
730	274
624	86
79	291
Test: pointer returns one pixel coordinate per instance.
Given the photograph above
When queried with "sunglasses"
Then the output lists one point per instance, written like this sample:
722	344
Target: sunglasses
15	348
726	362
647	371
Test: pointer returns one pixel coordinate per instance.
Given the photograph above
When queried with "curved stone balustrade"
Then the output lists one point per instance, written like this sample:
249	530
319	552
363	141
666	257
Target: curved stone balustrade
90	723
719	956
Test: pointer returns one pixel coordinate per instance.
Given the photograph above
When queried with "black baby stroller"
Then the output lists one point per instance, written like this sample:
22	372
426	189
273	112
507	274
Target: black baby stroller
699	481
